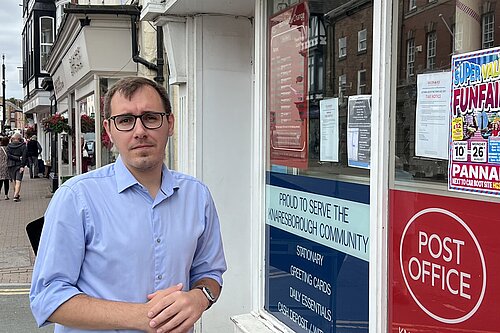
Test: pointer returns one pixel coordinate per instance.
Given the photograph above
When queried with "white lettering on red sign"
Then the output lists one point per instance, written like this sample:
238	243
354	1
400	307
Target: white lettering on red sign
436	262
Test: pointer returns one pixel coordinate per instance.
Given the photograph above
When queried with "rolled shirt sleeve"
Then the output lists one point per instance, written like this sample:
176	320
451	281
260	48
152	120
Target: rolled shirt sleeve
106	237
209	260
60	255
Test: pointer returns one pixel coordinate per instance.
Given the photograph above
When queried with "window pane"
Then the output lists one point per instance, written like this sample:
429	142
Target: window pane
297	148
410	58
46	30
431	50
432	34
488	30
319	136
46	39
44	54
362	40
342	47
412	4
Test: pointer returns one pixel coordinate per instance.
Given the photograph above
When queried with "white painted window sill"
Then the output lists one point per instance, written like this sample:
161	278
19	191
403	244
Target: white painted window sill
252	323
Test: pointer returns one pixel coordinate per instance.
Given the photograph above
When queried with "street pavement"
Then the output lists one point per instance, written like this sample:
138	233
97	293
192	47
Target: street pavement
16	255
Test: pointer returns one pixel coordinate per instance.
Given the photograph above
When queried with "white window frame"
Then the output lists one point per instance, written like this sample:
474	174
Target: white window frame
488	30
412	4
431	49
410	57
361	86
342	85
362	40
342	47
44	43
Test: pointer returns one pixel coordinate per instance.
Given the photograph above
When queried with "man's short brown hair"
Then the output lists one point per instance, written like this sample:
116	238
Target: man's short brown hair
127	87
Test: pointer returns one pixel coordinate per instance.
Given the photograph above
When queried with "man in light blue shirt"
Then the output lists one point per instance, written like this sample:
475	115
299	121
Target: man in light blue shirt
132	246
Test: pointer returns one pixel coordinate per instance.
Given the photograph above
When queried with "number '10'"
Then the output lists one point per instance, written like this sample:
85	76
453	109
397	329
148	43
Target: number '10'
459	150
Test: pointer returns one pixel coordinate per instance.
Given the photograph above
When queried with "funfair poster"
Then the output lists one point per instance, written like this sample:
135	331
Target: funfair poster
475	123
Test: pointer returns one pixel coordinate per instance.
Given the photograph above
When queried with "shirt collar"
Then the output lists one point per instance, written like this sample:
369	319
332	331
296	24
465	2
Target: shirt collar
125	179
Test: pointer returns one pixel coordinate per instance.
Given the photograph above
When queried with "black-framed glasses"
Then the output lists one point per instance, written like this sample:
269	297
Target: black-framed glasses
150	120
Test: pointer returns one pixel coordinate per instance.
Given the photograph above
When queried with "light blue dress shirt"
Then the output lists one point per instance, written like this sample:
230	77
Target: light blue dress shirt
106	237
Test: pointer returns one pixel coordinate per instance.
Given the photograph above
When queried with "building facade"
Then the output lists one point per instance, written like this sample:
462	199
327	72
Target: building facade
351	148
68	71
37	38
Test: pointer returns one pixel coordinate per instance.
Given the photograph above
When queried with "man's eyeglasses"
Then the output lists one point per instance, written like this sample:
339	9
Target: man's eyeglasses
150	120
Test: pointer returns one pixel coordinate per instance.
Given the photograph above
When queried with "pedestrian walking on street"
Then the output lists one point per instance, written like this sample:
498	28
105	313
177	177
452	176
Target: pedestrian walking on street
16	153
131	246
4	171
34	149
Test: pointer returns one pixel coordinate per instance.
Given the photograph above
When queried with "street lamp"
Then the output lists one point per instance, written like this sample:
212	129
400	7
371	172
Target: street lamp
3	94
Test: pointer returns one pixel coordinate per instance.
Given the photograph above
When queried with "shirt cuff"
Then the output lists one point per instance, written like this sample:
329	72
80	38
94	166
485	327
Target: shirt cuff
49	300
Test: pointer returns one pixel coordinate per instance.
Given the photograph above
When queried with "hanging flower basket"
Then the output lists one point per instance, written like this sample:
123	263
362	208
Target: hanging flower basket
87	124
105	139
56	124
30	131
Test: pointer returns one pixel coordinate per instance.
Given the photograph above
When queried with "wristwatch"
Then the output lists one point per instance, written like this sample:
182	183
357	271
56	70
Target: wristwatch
208	294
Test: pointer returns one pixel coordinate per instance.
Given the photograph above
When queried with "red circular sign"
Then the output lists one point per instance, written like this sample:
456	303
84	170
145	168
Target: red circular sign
443	265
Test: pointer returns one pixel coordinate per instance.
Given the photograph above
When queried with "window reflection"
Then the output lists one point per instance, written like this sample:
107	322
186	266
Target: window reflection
338	44
46	39
87	140
108	152
429	34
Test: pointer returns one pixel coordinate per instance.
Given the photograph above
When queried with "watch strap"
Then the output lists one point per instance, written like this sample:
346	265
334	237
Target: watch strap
208	294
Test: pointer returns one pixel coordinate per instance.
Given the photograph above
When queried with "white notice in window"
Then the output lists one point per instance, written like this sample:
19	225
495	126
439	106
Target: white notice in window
329	130
432	115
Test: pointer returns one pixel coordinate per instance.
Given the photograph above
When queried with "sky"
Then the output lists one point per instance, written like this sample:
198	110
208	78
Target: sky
11	24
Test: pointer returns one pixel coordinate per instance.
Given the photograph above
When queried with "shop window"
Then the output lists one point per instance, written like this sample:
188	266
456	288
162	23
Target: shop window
319	137
317	74
46	39
362	40
431	50
413	161
87	134
410	57
445	131
488	30
108	153
342	47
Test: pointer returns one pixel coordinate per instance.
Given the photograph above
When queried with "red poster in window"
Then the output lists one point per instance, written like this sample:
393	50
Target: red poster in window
287	100
443	264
